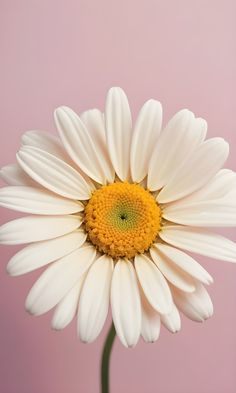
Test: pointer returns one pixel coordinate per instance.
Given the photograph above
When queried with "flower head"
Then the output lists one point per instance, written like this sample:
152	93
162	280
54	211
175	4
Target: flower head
113	208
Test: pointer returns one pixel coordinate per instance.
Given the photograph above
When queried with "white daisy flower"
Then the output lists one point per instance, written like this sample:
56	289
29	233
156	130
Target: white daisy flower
112	209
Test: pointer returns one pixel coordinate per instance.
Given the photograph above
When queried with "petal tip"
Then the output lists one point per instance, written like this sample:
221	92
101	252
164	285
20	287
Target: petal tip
55	327
10	270
115	88
29	309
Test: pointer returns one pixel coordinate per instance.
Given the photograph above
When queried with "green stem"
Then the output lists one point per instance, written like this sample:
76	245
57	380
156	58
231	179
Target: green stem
106	359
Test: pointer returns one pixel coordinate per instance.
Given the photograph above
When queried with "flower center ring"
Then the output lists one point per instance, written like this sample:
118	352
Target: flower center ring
122	219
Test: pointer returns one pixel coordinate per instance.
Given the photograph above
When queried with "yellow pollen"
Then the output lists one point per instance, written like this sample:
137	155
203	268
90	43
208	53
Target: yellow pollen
122	219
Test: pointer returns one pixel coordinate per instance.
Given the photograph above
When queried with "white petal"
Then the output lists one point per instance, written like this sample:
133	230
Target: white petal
45	141
80	145
179	138
172	321
36	201
15	176
172	273
58	279
53	173
203	214
196	171
94	299
151	322
40	254
154	285
200	241
33	229
181	261
218	188
52	144
94	121
118	131
199	126
67	307
146	132
125	303
196	306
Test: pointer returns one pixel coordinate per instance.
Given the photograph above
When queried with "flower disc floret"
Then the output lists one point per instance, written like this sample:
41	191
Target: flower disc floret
122	219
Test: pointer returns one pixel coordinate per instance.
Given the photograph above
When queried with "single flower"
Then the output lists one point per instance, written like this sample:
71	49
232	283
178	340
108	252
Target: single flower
112	207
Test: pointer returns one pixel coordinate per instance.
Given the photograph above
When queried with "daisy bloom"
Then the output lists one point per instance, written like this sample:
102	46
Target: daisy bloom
112	209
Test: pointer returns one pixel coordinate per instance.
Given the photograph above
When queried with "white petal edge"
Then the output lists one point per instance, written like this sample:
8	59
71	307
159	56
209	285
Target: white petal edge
80	146
200	241
154	284
94	121
45	141
172	321
218	188
146	131
33	229
42	253
66	309
177	141
53	173
57	280
215	213
50	143
125	303
204	162
196	306
172	272
151	322
94	299
118	123
182	261
15	176
36	201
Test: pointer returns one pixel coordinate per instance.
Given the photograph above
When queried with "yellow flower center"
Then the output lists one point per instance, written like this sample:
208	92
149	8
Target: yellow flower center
122	219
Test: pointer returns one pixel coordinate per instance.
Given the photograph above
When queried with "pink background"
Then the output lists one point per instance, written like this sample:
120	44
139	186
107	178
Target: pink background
70	52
